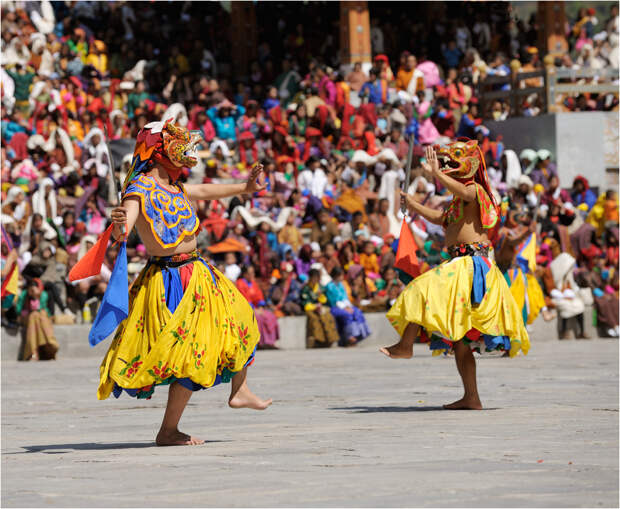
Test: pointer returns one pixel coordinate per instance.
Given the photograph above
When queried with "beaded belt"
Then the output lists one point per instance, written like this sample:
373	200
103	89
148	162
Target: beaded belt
174	261
473	249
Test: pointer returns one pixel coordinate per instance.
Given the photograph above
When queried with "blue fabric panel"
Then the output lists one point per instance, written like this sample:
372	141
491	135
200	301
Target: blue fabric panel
114	307
496	342
438	344
479	282
173	287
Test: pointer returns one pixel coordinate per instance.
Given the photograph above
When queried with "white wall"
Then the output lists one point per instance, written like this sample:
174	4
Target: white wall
582	142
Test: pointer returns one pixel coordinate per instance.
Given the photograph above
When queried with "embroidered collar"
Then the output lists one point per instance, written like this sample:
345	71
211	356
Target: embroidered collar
169	213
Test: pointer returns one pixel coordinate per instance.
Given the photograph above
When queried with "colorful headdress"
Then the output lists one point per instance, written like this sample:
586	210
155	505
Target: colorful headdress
164	143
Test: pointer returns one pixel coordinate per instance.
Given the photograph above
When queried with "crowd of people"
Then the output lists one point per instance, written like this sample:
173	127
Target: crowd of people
321	239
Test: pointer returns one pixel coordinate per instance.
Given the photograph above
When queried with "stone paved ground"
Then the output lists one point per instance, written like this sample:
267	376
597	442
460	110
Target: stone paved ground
348	428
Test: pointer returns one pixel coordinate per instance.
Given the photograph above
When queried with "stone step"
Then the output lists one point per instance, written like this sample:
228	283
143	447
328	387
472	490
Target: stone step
73	339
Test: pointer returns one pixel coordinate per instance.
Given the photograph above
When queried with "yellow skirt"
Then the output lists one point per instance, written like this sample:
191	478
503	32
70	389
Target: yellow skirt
527	293
465	298
210	334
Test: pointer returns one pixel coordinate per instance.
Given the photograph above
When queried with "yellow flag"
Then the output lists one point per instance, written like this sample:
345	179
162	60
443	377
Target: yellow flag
10	285
526	257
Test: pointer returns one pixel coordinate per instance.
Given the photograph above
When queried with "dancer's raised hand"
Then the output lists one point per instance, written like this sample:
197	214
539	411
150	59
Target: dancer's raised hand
431	165
255	183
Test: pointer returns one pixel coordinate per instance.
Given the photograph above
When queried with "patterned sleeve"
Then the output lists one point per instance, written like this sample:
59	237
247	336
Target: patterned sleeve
488	211
133	190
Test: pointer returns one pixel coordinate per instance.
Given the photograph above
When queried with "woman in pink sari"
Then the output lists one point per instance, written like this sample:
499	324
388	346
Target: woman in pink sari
90	210
427	133
94	219
266	319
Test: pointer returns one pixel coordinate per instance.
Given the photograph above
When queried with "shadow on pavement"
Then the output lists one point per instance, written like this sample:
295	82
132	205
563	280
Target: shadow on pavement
387	409
90	446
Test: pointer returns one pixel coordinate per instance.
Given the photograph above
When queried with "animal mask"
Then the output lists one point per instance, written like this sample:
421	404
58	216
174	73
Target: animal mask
460	159
165	143
180	145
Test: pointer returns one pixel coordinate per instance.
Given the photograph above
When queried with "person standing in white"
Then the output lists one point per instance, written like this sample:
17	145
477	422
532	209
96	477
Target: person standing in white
313	179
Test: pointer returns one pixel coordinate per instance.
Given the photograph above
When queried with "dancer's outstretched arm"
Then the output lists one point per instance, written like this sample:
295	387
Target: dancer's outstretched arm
217	191
432	215
467	193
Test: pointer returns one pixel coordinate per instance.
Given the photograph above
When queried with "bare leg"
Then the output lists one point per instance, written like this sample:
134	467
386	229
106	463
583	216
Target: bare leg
404	348
242	397
466	364
169	433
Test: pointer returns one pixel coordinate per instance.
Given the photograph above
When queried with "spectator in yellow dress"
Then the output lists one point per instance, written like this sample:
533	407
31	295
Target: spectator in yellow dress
98	58
368	259
40	342
322	330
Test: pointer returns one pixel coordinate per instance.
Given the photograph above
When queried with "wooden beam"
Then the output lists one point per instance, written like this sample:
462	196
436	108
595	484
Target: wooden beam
355	33
570	88
574	74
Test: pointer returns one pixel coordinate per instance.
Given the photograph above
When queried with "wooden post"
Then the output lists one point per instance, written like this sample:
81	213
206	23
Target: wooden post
243	36
550	85
355	33
552	20
515	84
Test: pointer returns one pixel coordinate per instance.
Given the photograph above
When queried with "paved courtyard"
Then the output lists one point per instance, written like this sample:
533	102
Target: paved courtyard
347	428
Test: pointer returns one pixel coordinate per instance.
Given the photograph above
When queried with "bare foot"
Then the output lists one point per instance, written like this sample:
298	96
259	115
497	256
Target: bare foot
175	437
398	351
549	315
352	341
245	398
465	404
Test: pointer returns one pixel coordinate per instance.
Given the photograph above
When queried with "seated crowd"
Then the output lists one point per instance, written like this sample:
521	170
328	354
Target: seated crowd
321	240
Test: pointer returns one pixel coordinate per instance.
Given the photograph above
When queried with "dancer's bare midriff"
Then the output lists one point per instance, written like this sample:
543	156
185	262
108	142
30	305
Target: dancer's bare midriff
468	230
